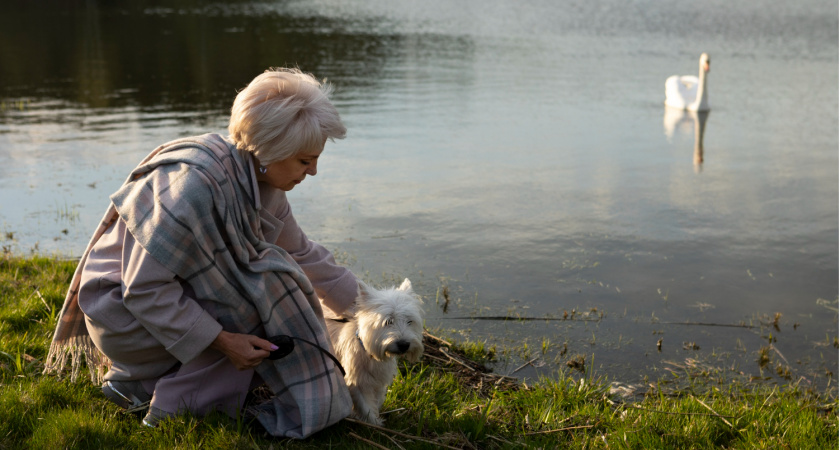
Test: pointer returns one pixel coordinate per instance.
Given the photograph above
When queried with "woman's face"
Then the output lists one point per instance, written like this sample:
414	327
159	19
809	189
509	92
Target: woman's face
288	173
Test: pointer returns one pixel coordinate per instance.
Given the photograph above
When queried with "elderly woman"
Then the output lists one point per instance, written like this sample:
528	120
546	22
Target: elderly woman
199	258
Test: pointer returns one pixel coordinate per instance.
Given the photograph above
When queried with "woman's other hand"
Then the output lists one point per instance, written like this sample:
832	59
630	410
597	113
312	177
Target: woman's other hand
245	351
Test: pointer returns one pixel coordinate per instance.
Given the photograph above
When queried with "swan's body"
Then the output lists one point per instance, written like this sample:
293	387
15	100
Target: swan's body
688	92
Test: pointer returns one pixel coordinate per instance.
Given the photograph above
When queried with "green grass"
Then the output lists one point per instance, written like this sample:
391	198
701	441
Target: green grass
434	404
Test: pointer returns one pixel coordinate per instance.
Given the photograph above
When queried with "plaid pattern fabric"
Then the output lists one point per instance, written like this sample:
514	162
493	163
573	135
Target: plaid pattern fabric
191	205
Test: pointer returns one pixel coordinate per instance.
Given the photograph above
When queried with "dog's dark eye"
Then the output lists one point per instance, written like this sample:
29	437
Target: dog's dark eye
389	322
410	322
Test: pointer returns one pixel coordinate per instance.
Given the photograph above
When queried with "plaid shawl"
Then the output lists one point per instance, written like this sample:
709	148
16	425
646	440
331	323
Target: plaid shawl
191	205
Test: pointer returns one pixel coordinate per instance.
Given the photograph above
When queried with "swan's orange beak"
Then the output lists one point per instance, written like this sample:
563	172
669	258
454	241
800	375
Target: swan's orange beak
706	67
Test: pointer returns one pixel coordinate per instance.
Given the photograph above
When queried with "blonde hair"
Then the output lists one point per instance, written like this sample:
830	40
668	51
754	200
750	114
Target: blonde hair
283	112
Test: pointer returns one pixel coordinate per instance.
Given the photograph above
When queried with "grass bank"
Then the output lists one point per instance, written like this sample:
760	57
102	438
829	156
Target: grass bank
448	400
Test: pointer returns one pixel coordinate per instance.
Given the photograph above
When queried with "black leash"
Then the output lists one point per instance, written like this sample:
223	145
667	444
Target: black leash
286	344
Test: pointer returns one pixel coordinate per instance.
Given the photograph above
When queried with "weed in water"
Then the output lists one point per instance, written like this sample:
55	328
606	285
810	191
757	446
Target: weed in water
763	356
578	362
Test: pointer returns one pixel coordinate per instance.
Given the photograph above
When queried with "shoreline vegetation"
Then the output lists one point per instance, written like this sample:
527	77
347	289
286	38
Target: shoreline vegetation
450	399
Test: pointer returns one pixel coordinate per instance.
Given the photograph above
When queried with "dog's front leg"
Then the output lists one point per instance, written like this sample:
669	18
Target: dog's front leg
363	408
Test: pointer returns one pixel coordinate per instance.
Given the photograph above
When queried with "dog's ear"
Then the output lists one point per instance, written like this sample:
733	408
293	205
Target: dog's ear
406	285
364	290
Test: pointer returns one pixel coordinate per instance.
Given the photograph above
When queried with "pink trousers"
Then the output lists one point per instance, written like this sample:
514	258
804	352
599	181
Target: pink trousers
208	383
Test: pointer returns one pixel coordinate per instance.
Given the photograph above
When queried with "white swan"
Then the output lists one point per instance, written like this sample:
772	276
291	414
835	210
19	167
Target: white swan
687	91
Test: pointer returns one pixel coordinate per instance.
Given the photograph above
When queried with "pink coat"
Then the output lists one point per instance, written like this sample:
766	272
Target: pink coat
147	322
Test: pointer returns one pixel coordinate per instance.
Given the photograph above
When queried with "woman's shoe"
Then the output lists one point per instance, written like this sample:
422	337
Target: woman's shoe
129	395
155	416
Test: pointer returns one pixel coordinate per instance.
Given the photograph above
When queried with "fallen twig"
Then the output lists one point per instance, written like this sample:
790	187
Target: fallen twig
712	410
521	318
559	423
444	361
439	352
441	340
453	359
529	319
707	324
41	297
524	365
391	438
368	441
558	430
490	436
679	413
408	436
779	353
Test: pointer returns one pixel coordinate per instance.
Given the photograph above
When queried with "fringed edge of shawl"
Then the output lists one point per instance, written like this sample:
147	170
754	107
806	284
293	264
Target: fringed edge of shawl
77	351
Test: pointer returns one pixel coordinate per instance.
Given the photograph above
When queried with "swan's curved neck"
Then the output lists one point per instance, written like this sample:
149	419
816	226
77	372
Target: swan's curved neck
702	101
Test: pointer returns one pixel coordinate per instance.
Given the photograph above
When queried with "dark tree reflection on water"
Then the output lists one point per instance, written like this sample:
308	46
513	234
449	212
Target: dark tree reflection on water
184	56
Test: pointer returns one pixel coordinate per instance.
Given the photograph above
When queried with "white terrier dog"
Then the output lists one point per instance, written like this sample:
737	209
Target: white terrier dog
388	324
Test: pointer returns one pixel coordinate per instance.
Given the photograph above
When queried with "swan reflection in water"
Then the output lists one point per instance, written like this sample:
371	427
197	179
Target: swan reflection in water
681	121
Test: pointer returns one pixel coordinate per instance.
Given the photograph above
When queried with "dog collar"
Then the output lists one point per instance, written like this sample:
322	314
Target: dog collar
360	341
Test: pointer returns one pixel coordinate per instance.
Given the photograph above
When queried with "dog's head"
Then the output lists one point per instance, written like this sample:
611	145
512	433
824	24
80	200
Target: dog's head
390	321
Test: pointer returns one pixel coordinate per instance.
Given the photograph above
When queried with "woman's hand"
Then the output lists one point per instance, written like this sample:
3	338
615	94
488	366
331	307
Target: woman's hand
244	350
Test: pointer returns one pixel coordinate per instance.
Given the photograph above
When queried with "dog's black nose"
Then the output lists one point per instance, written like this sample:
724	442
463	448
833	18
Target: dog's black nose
403	346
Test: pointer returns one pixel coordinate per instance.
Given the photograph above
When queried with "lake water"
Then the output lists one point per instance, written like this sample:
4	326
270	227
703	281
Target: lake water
512	157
